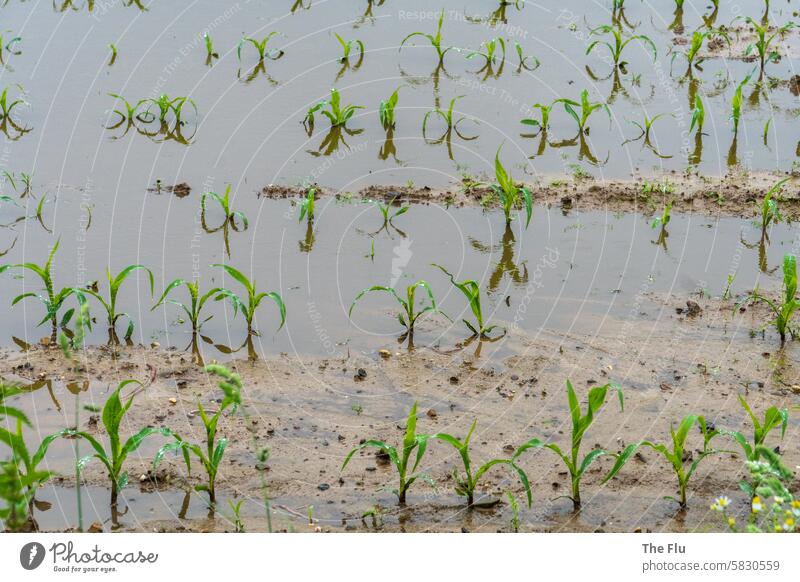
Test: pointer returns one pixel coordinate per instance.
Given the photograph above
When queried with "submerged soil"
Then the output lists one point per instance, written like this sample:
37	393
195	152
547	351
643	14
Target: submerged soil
311	411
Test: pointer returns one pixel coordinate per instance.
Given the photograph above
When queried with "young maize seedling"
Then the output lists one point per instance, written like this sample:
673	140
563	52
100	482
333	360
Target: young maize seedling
131	112
254	298
509	192
386	211
211	54
490	50
450	123
409	315
544	110
261	47
224	204
696	44
7	391
576	466
645	127
526	62
677	457
467	483
8	47
15	492
113	58
52	301
110	305
386	111
5	107
236	509
662	221
764	41
307	206
435	40
472	291
770	213
619	45
165	105
336	114
736	103
195	308
114	456
698	115
27	464
211	456
586	109
347	48
785	307
400	458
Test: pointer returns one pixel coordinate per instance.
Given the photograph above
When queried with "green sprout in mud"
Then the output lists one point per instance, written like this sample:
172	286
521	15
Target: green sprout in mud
211	455
509	192
581	112
512	502
53	301
409	315
492	51
434	39
576	466
400	457
307	205
386	111
391	210
698	115
661	222
224	203
110	304
331	108
691	54
130	114
236	509
770	213
114	456
249	306
764	40
211	54
197	302
472	292
113	58
526	62
7	106
261	47
348	46
785	307
736	104
544	122
450	125
645	128
774	417
166	105
467	483
680	459
619	45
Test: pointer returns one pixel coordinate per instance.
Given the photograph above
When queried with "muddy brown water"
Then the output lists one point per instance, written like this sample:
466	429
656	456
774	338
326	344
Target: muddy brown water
586	294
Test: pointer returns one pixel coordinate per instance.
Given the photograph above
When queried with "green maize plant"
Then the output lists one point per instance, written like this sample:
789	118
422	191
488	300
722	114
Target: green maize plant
110	304
586	109
493	51
27	464
526	62
619	45
8	47
681	463
211	54
114	456
261	47
113	58
211	455
16	495
662	222
472	291
5	107
236	509
409	315
25	182
130	113
336	114
770	213
347	48
307	205
386	111
53	301
450	124
645	127
580	424
544	110
696	44
785	307
400	458
764	41
509	192
386	210
165	105
224	204
254	299
736	103
467	483
435	40
698	115
7	391
195	308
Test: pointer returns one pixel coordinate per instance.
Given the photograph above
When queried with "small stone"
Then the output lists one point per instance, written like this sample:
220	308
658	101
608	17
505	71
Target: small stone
432	413
453	380
323	486
96	527
385	354
155	345
173	401
360	375
693	309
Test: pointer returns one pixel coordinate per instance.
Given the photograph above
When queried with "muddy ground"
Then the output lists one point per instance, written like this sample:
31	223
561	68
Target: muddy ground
311	412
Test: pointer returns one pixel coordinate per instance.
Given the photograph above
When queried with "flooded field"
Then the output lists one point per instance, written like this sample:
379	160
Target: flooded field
627	214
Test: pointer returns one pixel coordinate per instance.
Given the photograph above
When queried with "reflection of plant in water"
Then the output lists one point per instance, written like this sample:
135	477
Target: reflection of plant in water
785	307
347	48
506	264
576	466
698	119
488	52
168	121
110	305
645	127
472	292
264	54
230	216
677	457
451	126
409	315
696	44
762	45
677	23
8	126
197	301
